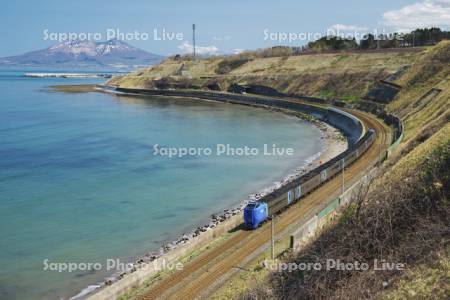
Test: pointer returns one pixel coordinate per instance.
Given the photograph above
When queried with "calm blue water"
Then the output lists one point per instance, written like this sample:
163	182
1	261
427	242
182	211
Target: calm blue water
79	181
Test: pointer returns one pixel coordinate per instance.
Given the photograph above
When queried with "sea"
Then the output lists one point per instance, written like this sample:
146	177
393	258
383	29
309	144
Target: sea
87	177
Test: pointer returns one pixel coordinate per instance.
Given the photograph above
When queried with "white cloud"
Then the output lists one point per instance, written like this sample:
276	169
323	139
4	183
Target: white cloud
238	51
418	15
342	27
185	47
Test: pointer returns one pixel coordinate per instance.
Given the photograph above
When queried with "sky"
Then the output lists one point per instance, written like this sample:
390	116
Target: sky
222	26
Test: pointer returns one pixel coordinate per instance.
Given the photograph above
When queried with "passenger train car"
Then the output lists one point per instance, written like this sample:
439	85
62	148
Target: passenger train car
256	213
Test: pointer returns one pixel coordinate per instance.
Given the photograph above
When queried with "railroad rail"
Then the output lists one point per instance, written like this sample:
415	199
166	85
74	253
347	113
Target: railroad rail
197	276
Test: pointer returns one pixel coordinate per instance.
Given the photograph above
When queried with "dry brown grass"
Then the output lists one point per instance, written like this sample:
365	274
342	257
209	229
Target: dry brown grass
403	219
405	215
345	75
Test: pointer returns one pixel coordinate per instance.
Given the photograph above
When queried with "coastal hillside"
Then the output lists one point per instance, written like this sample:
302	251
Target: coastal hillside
404	215
402	218
423	102
345	75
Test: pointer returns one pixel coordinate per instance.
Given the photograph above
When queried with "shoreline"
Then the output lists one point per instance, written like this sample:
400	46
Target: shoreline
67	75
333	143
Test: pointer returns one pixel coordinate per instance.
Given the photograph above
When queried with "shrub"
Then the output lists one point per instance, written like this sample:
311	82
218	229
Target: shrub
229	64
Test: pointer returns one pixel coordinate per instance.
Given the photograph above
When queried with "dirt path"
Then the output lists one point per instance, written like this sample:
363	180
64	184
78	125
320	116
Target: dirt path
204	271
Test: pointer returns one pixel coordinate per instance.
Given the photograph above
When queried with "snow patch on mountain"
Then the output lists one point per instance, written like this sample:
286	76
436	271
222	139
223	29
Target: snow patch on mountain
85	54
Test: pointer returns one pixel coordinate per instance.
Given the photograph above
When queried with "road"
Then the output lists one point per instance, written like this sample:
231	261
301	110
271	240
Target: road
201	273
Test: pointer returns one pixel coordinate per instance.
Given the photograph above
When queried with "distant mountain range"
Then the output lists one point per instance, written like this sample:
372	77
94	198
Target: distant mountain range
112	54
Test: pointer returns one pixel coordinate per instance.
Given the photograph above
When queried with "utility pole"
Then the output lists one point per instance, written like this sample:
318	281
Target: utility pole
193	38
380	152
273	238
343	175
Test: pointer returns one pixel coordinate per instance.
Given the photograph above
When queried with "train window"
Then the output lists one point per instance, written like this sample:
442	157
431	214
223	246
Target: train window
323	175
299	192
289	197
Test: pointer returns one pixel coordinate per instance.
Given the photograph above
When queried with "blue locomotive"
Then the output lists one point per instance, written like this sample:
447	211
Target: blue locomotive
255	213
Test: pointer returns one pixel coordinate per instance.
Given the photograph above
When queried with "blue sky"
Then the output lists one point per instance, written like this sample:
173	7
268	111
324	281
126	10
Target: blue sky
223	26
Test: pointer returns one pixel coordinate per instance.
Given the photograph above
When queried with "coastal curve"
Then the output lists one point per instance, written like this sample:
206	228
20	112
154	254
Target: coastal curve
350	125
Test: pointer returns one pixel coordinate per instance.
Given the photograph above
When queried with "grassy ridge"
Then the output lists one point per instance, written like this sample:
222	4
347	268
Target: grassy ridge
346	75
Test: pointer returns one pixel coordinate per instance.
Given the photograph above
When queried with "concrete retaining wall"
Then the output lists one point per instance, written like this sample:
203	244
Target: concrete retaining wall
304	233
345	122
395	145
329	208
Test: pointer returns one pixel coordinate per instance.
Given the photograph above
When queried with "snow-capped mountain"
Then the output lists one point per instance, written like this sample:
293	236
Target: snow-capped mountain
112	54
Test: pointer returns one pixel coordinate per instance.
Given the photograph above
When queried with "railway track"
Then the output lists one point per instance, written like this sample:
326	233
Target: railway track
201	273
